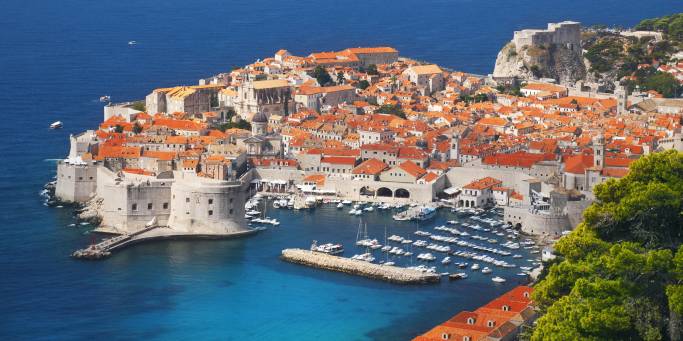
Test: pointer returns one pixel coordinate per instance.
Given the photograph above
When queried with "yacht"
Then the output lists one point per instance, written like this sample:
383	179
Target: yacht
459	275
56	125
329	248
426	213
498	279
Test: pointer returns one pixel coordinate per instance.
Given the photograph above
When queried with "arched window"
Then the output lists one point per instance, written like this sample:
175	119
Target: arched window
445	336
491	323
506	308
470	320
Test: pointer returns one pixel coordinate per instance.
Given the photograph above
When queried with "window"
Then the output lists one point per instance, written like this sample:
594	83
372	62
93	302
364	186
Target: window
231	211
210	201
470	320
165	205
187	199
210	212
135	207
491	323
149	206
231	200
506	308
445	336
466	338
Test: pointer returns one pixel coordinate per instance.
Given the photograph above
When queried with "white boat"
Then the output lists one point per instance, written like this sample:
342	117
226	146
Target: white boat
329	248
459	275
475	266
276	204
498	279
132	42
340	205
446	260
56	125
346	202
426	213
486	270
105	98
388	263
369	209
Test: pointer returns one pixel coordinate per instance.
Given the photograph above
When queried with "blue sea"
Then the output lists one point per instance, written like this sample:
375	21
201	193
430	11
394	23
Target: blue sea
58	57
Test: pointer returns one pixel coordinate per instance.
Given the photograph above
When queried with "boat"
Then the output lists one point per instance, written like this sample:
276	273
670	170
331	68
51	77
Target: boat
459	275
132	42
426	213
276	204
486	270
340	205
56	125
498	279
446	260
105	98
388	263
310	201
328	248
475	266
346	202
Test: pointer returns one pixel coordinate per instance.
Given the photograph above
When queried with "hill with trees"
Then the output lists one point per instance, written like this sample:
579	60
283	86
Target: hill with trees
619	275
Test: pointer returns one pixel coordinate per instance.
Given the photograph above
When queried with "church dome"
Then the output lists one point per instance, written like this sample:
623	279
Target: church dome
260	117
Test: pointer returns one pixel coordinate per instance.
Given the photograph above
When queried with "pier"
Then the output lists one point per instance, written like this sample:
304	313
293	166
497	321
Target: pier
104	248
356	267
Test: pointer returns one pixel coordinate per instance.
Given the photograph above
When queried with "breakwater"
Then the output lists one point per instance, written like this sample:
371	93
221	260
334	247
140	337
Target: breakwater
356	267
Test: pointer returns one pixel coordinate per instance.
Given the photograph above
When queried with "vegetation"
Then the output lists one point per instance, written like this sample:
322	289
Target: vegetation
321	75
392	110
241	124
619	275
137	128
372	70
671	25
340	78
139	106
118	128
604	54
363	84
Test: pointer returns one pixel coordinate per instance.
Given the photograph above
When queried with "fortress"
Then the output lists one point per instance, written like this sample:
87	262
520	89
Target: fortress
182	203
567	33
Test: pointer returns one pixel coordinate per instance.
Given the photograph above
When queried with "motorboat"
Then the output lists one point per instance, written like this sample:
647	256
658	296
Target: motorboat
329	248
498	279
132	42
105	98
446	260
340	205
486	270
475	266
56	125
459	275
346	202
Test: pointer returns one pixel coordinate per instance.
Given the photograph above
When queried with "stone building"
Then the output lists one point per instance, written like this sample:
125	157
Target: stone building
265	96
192	100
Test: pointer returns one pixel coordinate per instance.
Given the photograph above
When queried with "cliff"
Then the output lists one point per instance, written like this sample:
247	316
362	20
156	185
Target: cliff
540	61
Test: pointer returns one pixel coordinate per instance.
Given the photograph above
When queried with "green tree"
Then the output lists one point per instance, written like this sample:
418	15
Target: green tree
392	110
321	75
340	78
137	128
139	106
372	70
363	84
118	129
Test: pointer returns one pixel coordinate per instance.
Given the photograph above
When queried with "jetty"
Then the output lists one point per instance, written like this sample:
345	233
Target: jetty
357	267
104	248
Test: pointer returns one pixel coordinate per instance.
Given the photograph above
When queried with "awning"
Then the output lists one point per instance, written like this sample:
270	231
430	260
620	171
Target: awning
451	190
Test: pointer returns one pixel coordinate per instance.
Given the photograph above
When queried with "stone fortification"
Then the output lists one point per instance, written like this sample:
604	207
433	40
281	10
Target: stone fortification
551	53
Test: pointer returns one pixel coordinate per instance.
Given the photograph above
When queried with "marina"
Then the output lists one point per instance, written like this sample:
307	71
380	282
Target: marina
440	246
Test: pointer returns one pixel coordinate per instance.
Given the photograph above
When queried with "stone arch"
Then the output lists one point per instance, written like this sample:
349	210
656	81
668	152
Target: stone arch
384	192
461	203
365	190
401	193
472	204
518	226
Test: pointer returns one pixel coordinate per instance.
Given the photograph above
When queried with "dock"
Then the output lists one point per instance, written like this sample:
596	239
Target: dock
104	248
392	274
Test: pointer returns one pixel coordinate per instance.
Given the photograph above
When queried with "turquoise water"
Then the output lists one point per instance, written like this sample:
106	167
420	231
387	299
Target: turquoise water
58	57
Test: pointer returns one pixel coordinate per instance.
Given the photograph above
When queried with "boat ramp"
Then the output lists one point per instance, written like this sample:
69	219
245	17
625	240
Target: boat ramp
358	267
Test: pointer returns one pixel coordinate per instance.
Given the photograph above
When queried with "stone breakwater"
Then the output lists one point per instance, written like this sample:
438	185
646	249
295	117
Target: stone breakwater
356	267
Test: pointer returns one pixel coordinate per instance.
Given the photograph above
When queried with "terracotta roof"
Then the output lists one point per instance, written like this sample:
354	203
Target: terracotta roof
483	183
338	160
412	168
370	167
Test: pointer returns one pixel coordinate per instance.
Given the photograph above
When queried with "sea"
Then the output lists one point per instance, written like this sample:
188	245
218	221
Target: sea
58	57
